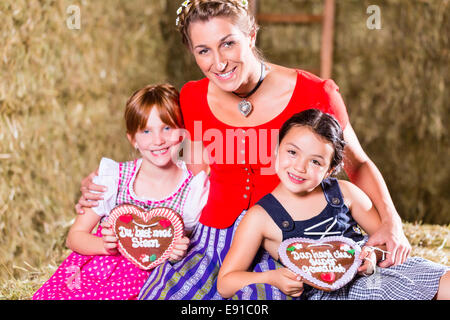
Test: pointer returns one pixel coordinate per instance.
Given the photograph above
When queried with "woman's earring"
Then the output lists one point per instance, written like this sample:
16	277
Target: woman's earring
136	146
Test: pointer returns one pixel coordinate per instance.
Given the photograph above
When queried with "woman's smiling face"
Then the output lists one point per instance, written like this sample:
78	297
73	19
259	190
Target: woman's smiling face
223	52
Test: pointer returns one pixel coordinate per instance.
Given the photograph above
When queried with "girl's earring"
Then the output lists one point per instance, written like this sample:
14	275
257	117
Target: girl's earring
136	146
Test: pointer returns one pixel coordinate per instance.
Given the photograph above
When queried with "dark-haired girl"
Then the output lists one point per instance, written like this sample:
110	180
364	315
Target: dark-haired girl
308	203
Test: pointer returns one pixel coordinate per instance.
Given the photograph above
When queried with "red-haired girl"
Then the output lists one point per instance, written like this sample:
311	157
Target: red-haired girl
95	270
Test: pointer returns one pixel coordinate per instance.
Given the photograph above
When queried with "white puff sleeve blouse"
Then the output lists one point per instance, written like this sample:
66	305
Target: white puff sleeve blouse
108	175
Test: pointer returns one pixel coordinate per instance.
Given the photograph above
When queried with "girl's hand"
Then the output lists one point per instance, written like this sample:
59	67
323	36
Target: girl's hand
109	238
370	261
88	198
179	249
287	281
391	234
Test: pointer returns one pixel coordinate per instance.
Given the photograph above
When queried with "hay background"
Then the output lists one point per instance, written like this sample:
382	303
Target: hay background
62	94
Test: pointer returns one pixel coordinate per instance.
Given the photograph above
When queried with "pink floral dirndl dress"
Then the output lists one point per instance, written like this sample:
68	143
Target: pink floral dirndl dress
108	277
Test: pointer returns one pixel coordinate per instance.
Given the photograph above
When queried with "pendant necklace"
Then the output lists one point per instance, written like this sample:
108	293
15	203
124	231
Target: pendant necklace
244	106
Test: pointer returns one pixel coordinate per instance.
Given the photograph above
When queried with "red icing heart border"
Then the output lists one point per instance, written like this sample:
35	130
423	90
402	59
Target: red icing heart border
347	277
167	213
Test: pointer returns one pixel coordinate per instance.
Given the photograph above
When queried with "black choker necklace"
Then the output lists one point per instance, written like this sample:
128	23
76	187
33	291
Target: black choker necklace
244	106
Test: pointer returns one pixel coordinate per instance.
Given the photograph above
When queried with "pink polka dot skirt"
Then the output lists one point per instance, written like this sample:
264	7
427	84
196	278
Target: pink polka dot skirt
93	278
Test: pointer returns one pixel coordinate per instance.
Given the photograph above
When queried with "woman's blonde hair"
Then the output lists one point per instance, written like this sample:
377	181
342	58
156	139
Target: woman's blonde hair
203	10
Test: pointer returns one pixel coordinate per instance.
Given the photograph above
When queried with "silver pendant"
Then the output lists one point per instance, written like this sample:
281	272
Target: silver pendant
245	107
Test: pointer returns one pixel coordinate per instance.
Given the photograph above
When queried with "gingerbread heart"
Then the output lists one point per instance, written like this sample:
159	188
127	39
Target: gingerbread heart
327	264
146	238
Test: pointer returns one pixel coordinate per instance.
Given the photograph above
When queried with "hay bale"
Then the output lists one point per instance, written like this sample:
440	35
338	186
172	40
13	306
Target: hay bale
393	82
62	96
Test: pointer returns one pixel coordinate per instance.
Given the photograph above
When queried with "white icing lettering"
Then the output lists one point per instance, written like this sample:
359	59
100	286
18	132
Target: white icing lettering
323	269
319	262
144	237
301	255
124	232
144	243
142	233
166	233
322	261
322	254
342	255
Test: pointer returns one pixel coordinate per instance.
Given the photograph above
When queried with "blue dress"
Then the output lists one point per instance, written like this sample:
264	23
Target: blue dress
195	276
417	278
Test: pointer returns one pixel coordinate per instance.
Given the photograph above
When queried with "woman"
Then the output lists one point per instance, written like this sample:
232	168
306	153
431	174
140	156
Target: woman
233	116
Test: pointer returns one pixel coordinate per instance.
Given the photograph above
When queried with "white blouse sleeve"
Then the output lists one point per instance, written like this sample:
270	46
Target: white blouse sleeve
108	175
196	200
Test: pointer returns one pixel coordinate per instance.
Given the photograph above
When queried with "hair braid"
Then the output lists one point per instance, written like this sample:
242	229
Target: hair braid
203	10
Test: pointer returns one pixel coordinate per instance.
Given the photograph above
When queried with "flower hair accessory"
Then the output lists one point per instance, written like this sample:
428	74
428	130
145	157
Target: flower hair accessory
185	4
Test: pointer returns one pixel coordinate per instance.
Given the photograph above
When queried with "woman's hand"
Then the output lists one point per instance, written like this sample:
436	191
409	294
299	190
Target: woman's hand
364	173
109	238
397	245
88	198
179	249
287	281
370	261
